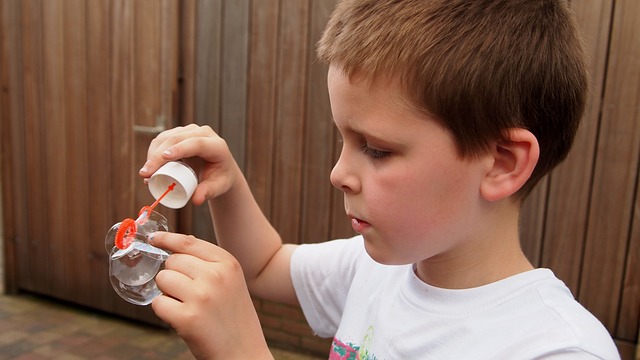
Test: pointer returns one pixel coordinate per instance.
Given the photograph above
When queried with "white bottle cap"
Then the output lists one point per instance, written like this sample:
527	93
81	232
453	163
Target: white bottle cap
173	172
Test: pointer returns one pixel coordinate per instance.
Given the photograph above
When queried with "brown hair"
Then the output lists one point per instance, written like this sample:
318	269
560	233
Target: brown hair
479	66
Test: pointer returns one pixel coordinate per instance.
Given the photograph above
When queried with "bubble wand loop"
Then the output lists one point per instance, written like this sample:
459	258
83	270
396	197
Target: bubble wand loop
128	226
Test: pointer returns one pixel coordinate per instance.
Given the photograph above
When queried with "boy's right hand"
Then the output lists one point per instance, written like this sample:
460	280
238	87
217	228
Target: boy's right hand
203	149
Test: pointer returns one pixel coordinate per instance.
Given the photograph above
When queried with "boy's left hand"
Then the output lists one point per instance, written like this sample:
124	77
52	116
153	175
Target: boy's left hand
205	299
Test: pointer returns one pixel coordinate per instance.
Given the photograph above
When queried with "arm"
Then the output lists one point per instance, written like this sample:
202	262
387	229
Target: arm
205	294
243	230
240	225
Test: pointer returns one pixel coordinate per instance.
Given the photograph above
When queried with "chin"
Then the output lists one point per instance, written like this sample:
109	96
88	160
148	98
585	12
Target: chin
385	256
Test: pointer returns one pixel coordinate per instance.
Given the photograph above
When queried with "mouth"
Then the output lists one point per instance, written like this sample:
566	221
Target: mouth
359	225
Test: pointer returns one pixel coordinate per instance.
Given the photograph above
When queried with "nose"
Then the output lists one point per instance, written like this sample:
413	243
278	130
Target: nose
343	175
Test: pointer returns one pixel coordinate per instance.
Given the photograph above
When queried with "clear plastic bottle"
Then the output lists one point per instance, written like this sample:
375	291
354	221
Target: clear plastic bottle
132	270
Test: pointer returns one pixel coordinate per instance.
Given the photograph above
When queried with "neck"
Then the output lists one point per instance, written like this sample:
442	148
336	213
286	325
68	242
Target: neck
492	253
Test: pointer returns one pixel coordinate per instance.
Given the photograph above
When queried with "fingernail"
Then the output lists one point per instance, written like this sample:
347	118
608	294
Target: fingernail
145	167
167	152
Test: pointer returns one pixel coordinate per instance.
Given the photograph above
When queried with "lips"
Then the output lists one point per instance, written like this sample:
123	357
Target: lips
359	225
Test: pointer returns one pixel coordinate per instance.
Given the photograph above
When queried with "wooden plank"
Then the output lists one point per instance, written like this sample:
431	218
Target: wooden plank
55	151
122	111
14	194
122	115
207	75
340	226
33	78
289	121
569	188
147	88
532	217
629	312
187	60
207	94
76	189
169	56
132	25
626	349
168	77
99	136
319	136
615	170
184	97
261	104
154	60
151	43
235	44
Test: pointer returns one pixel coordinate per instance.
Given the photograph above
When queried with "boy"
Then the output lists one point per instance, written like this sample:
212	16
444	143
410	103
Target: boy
450	111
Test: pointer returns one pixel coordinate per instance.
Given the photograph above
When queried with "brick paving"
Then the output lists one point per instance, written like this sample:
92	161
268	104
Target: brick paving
33	328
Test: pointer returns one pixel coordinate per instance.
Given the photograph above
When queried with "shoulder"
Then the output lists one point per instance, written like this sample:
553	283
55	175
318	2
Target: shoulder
342	255
323	275
562	326
345	259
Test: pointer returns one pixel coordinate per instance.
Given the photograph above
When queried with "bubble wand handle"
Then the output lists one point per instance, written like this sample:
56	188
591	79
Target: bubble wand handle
148	209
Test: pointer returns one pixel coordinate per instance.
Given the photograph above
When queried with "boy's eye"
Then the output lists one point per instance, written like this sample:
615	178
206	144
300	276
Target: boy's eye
374	153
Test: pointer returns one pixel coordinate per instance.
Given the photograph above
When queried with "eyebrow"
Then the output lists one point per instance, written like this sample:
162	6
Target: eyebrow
369	136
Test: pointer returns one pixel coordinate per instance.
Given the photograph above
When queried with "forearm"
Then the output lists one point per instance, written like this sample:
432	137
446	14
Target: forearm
242	228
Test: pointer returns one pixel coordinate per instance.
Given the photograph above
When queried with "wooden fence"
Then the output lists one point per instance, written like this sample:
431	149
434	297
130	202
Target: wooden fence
248	69
251	74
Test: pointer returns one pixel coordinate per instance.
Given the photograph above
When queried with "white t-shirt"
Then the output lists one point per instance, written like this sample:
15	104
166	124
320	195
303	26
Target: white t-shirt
376	311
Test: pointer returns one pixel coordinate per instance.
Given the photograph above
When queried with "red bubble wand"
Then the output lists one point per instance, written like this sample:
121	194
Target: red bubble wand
128	227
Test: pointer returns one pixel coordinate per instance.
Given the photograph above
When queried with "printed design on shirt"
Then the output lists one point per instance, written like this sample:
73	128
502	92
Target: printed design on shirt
349	351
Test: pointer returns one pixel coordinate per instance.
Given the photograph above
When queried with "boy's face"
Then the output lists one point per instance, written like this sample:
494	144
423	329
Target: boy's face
405	188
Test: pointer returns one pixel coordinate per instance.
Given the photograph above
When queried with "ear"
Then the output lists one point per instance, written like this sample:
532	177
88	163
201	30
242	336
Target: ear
511	163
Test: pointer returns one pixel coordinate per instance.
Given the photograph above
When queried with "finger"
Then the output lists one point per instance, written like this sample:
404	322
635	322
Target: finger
175	284
208	146
188	244
158	145
187	265
166	308
160	152
211	185
176	133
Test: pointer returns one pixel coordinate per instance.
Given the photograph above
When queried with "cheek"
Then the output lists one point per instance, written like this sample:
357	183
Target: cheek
420	201
399	201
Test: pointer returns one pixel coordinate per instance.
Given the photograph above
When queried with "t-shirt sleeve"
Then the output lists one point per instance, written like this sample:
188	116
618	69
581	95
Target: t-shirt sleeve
322	275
